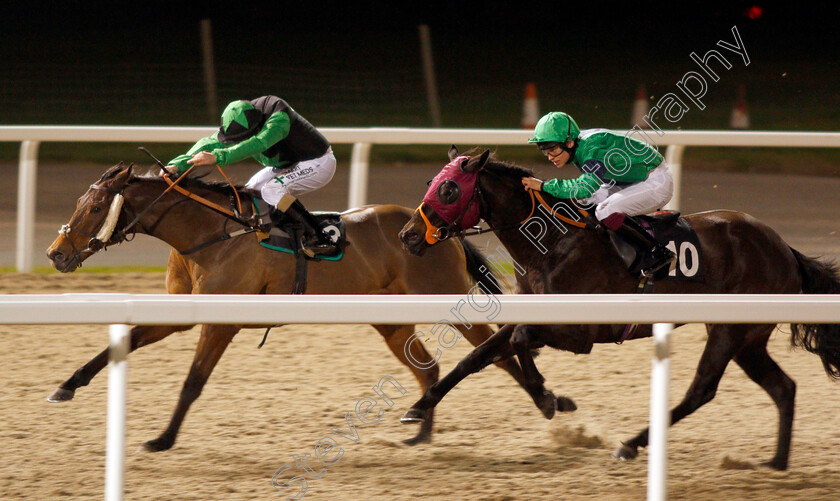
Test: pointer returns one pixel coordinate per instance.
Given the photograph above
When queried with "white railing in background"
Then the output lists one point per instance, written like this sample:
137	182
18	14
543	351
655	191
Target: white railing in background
362	140
122	309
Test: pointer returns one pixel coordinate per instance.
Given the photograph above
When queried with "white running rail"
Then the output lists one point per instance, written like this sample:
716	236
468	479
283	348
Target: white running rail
122	309
362	140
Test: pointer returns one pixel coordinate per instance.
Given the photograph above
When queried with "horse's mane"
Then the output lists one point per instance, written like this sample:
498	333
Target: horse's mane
197	182
500	167
505	169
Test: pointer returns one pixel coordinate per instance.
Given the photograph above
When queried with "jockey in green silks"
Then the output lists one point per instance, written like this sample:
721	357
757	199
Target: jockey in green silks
621	176
296	157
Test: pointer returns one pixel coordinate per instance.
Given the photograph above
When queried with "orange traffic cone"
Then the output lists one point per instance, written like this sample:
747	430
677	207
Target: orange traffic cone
530	107
640	108
740	118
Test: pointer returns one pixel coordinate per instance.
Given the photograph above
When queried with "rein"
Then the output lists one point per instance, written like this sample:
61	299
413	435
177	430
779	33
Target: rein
144	211
436	234
234	215
201	200
102	235
535	194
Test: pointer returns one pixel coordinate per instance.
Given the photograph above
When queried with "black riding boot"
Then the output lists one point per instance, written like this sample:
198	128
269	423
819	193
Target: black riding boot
315	241
654	254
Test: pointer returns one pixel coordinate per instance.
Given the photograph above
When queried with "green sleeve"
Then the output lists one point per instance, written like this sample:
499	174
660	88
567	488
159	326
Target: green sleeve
582	187
276	129
204	144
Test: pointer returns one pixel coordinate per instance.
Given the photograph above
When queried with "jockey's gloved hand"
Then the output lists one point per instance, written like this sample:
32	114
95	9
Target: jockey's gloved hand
171	170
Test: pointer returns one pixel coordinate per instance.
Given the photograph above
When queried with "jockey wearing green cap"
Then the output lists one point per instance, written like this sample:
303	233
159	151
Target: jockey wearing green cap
296	157
622	177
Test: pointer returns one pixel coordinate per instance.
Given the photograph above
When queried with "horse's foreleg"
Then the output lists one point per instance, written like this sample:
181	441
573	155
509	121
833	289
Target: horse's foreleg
525	338
495	349
141	335
211	345
479	333
396	336
762	369
720	348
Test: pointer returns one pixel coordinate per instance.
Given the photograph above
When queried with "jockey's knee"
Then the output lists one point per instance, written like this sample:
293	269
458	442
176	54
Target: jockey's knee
272	195
603	211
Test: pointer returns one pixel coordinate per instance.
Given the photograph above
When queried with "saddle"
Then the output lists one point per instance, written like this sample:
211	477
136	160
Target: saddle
280	237
675	233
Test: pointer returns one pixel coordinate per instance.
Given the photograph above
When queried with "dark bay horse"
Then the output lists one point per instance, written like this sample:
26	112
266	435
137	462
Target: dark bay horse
741	255
373	263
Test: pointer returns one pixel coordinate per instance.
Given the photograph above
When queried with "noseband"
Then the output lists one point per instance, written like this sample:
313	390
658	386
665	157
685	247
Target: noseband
101	237
435	234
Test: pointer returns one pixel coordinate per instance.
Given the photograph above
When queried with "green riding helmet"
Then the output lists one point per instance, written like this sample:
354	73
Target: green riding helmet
556	127
240	120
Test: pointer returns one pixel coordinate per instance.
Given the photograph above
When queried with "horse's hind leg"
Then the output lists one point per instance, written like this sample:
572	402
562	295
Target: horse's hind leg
724	341
141	335
396	336
211	345
762	369
495	349
477	334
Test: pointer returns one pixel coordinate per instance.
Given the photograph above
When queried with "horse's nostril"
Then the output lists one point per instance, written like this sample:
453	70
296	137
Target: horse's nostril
56	256
411	236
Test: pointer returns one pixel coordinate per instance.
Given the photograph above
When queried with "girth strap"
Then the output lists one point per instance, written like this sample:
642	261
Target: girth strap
301	268
221	238
645	287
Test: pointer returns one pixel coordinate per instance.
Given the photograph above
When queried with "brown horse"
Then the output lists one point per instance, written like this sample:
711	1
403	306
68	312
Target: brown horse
740	255
373	263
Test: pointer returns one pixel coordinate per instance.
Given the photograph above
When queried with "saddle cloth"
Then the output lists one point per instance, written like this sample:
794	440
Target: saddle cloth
279	239
675	233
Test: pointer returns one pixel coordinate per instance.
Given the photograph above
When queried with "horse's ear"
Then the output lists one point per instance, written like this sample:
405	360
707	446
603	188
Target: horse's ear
122	177
483	158
477	163
453	152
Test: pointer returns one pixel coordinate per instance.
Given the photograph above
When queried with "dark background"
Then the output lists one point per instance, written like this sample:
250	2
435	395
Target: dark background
139	63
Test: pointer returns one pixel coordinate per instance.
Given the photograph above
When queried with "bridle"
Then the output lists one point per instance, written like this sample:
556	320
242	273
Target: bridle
435	234
103	235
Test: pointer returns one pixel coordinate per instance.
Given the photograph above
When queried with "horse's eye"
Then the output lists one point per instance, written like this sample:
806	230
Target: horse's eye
448	192
95	209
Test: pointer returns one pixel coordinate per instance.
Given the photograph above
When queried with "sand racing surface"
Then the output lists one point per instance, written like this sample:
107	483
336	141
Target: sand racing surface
261	407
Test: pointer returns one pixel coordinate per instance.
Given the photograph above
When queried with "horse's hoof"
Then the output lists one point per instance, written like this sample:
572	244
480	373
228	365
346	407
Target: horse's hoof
157	445
413	416
776	464
421	438
625	452
566	404
61	395
547	404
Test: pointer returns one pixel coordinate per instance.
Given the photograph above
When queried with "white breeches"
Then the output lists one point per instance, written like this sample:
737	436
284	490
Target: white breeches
641	198
304	177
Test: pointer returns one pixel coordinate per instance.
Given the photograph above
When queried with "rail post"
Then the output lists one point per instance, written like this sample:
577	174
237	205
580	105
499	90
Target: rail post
117	386
359	165
659	417
27	176
673	157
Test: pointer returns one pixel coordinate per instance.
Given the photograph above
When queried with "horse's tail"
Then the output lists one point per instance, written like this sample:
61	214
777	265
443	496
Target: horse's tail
819	277
475	263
